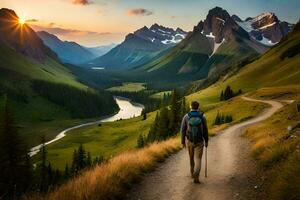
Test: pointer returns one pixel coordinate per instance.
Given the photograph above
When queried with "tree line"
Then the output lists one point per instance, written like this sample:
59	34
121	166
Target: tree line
223	119
167	121
229	93
143	97
19	176
80	103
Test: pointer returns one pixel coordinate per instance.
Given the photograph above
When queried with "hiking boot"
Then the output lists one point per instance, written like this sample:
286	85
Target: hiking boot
196	180
192	174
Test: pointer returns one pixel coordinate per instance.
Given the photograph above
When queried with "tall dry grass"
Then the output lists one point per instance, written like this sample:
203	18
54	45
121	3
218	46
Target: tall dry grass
112	179
277	152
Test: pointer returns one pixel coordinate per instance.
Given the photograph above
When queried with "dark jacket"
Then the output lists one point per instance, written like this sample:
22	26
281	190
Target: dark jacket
184	127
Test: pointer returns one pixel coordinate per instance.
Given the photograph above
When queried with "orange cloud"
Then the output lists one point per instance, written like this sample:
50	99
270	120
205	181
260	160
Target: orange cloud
139	11
82	2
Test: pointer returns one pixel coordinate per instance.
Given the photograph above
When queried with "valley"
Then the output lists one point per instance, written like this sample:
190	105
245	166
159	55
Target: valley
96	121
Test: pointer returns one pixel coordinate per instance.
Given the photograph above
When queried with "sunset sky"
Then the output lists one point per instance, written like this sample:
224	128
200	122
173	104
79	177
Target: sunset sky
100	22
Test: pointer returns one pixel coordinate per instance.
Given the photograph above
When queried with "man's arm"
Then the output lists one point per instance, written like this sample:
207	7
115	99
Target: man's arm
183	130
205	131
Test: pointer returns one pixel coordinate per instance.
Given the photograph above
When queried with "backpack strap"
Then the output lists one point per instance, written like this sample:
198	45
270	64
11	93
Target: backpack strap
195	114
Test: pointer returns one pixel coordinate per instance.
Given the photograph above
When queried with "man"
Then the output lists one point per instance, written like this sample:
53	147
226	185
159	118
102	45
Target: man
194	128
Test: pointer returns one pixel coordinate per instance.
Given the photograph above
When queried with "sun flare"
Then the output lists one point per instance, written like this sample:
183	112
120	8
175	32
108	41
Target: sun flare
22	20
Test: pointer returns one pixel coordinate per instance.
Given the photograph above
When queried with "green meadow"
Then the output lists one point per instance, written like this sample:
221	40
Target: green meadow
128	87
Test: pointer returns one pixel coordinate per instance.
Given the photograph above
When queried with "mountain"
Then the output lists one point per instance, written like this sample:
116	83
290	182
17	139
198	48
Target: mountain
266	28
21	38
68	52
45	94
140	47
101	50
214	46
276	68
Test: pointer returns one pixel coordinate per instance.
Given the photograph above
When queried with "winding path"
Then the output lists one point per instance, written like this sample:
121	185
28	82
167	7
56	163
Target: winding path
231	170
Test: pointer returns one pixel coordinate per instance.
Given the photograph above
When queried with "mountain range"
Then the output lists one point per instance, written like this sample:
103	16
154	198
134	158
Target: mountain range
71	52
140	47
216	45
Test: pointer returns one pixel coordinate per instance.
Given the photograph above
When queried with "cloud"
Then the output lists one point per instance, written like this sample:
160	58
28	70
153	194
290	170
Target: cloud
139	11
32	20
66	31
82	2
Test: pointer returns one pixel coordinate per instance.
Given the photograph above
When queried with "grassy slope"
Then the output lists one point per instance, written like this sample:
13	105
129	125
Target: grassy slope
128	87
268	71
277	151
50	70
160	95
107	140
39	116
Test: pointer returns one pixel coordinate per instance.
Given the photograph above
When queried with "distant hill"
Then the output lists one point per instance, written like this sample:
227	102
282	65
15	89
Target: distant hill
140	47
68	52
101	50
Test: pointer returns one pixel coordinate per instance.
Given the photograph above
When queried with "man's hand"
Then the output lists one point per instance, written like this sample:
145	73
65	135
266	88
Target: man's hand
184	146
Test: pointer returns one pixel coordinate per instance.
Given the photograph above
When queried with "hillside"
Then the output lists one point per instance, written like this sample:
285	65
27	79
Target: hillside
44	93
68	52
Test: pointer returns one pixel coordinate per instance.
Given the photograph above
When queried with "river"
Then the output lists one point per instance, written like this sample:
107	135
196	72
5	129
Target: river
127	110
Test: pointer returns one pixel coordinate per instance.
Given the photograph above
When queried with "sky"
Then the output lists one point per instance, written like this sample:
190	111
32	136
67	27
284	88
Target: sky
101	22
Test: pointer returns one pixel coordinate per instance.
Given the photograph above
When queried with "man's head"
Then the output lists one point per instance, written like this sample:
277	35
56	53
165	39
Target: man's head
194	105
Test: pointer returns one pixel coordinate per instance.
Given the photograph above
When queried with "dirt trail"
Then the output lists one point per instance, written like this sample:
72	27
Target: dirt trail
231	170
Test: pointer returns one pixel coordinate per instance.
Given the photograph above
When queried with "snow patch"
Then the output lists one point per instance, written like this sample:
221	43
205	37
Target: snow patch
266	26
267	42
246	25
173	40
216	46
181	35
222	20
210	35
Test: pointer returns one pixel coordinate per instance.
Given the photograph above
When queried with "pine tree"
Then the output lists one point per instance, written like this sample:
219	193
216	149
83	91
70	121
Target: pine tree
217	119
175	113
140	141
74	168
15	163
183	107
67	172
152	135
43	168
163	124
222	96
89	160
98	160
49	176
144	114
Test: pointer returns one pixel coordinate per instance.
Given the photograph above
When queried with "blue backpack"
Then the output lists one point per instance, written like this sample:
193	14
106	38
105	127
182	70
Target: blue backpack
195	127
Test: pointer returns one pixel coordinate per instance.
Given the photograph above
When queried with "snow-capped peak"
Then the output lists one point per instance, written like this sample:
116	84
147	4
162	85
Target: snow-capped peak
161	35
265	28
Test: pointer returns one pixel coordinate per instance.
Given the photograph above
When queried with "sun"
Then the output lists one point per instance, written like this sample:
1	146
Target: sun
22	21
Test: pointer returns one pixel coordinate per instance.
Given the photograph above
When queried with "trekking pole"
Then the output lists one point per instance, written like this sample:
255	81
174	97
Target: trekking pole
205	162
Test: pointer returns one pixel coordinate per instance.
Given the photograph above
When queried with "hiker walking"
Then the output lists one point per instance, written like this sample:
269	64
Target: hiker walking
194	128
